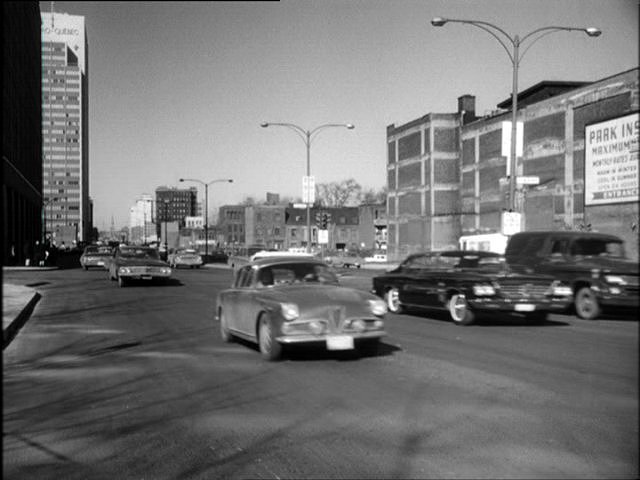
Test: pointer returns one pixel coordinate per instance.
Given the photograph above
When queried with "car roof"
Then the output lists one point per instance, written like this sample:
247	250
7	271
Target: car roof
458	253
570	234
275	260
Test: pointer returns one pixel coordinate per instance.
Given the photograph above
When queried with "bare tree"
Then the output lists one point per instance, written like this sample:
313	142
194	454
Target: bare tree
338	194
372	195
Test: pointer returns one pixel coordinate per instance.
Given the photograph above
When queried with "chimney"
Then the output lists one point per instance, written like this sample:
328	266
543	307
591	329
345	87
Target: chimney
467	107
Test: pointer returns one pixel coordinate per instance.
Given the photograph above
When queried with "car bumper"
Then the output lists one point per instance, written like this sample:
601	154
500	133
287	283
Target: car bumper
144	276
327	339
519	306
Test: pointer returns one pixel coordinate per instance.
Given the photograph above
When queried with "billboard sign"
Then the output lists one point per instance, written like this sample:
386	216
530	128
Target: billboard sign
611	161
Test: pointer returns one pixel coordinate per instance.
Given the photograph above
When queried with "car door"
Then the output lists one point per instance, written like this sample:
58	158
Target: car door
417	282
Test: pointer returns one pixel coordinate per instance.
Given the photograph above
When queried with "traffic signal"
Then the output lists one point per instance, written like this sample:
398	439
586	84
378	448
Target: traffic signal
319	219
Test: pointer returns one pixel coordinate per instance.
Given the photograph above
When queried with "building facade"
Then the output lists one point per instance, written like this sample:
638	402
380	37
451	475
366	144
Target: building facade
265	225
447	173
21	131
141	222
231	225
372	226
175	204
65	116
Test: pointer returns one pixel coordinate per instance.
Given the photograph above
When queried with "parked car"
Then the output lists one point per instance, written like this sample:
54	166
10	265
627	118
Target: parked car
345	260
467	283
217	256
593	264
95	256
137	263
296	301
185	257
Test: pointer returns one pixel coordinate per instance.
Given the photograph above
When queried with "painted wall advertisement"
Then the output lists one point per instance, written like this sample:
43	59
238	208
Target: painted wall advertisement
611	161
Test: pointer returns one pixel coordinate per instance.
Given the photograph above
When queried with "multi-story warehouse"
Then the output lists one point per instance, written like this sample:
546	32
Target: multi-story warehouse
21	130
65	114
447	175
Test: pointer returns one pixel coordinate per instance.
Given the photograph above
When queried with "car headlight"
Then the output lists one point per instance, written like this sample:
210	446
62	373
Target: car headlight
483	290
290	311
615	279
378	307
165	270
125	270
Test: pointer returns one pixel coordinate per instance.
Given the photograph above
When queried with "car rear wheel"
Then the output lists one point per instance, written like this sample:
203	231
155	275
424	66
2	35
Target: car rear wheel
586	304
392	297
459	310
269	347
224	329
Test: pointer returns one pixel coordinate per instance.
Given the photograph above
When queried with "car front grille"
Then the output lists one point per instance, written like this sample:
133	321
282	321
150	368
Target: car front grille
146	270
524	290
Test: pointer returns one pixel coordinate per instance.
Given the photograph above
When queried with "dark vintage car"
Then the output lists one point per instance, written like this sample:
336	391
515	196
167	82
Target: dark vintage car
95	256
285	300
137	263
466	283
593	264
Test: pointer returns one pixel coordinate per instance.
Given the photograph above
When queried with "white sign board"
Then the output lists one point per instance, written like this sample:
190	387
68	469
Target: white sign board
611	161
530	180
65	28
323	237
506	142
308	189
511	223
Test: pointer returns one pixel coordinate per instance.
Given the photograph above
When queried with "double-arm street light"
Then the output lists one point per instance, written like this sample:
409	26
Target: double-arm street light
515	56
206	208
307	136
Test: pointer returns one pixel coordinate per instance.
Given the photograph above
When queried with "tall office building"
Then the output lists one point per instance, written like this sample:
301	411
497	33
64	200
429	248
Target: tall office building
65	118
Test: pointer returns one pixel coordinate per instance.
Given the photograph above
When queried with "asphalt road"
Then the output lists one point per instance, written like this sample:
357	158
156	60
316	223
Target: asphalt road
135	383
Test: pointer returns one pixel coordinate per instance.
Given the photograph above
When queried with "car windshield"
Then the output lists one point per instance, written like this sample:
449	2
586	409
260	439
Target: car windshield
139	253
97	251
289	273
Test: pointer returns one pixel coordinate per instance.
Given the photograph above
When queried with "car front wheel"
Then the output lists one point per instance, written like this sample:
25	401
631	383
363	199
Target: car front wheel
121	282
459	310
269	347
392	297
586	304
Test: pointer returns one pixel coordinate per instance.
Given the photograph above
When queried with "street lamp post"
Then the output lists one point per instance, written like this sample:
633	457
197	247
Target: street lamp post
206	208
515	56
307	137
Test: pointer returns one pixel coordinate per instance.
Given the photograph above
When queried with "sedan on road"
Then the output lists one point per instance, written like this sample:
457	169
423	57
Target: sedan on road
284	300
95	256
467	283
185	257
137	263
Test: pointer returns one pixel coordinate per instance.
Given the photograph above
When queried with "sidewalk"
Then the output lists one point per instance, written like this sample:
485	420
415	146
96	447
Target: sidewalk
18	302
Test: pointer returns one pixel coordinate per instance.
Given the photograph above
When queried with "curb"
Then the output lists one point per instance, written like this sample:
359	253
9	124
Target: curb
9	333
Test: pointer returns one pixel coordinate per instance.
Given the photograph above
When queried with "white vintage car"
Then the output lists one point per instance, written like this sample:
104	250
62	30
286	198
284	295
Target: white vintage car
296	301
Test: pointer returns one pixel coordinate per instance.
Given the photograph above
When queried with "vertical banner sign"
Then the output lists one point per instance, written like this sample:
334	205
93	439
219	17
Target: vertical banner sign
611	161
506	142
308	189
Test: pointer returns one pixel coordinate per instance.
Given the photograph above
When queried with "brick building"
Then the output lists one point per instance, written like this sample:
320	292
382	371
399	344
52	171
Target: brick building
446	174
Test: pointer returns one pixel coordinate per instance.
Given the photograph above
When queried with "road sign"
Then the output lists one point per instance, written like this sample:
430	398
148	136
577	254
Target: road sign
532	180
511	223
308	189
323	237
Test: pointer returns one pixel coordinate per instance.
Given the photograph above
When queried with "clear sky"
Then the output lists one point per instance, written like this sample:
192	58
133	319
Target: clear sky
179	89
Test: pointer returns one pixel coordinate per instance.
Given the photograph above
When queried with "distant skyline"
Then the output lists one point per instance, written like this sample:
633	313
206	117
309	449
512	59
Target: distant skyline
179	89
